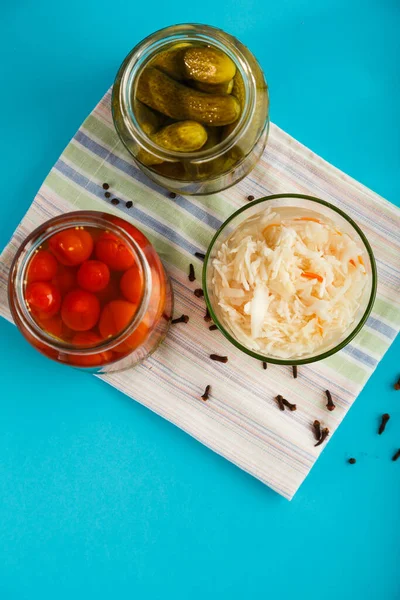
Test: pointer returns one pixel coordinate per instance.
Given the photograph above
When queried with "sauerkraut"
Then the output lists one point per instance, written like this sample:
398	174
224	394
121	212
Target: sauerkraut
287	285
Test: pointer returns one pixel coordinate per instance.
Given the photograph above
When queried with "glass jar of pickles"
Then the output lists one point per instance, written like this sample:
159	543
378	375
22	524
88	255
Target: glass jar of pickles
88	289
191	105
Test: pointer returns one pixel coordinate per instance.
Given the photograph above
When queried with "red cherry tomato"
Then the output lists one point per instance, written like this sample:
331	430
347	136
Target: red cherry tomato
111	292
134	340
131	284
137	235
80	310
54	326
43	298
93	275
65	279
42	267
71	246
86	338
89	338
113	251
115	316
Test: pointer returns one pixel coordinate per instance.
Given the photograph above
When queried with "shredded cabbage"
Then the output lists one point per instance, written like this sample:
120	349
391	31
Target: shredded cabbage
286	286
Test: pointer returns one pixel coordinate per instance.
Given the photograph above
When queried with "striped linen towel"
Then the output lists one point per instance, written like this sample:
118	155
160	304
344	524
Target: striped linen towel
241	420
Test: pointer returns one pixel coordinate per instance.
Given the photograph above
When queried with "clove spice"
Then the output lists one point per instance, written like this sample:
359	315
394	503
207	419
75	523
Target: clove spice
397	385
198	293
352	461
206	394
317	430
330	406
294	368
218	358
181	319
279	400
213	327
207	316
192	276
250	198
324	435
265	365
289	405
396	455
129	204
200	255
172	195
382	426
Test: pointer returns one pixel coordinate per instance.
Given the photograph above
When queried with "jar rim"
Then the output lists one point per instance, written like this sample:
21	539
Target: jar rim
139	57
17	279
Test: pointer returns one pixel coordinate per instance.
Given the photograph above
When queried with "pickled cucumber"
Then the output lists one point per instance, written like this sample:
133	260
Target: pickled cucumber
164	94
148	120
208	65
238	89
171	61
214	88
173	170
227	130
213	137
185	136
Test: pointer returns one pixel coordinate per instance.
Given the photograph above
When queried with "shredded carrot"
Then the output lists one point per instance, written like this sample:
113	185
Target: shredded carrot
351	261
339	232
360	260
320	328
270	225
319	324
308	219
309	275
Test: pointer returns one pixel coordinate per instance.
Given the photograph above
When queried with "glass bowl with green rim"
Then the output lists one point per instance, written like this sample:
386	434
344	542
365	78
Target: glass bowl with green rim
304	204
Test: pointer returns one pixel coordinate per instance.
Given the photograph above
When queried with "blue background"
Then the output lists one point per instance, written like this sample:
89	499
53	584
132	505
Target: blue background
99	498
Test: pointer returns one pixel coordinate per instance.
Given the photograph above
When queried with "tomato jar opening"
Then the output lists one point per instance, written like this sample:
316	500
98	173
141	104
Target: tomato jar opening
88	289
191	105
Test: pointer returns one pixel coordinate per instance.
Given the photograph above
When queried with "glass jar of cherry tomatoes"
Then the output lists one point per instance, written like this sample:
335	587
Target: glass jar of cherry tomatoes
88	289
